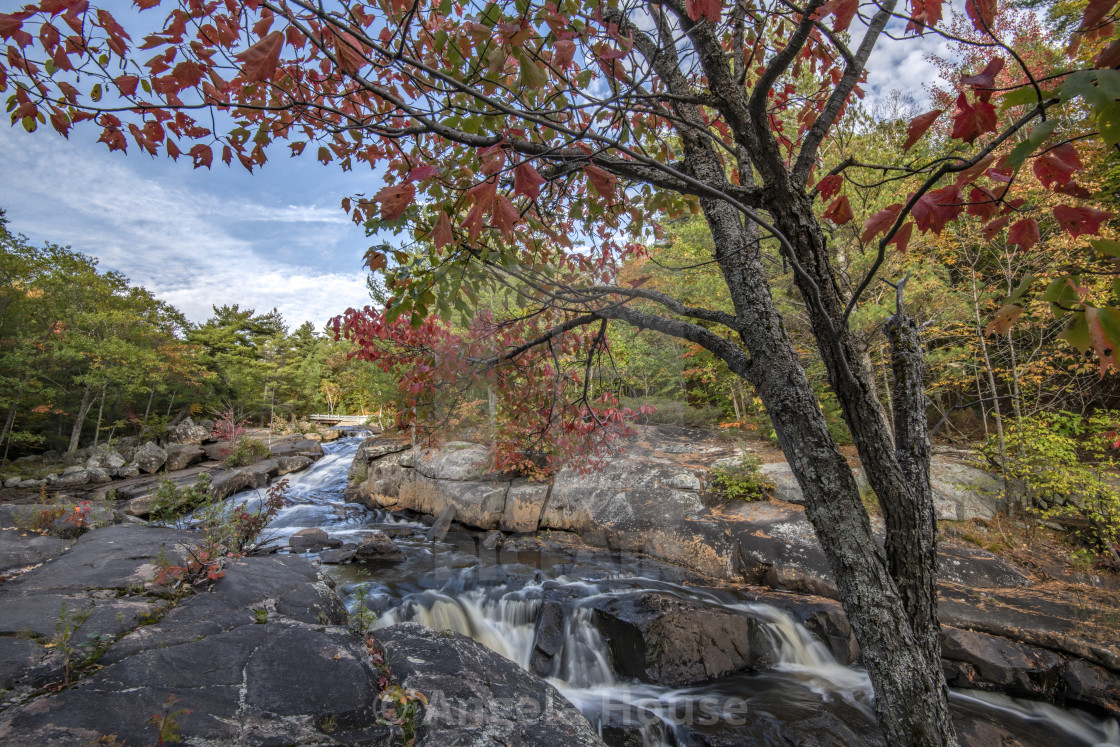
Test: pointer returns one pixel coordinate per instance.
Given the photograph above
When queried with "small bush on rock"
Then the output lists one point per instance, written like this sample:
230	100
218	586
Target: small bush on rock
174	502
741	479
247	451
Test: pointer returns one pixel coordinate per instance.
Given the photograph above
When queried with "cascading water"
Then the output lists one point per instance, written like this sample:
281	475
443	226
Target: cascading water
804	696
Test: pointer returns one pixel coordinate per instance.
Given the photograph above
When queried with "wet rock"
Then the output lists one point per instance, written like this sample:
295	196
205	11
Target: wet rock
524	503
312	540
493	540
287	465
438	530
1091	686
183	455
376	546
297	447
336	557
997	663
149	457
658	638
477	698
369	451
548	638
187	432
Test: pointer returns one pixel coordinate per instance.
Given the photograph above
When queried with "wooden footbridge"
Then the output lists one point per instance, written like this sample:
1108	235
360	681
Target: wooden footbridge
340	419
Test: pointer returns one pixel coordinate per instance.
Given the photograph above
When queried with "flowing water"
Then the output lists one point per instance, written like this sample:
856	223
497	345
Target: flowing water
804	696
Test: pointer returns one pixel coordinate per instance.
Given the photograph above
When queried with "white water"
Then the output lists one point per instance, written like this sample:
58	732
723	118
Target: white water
449	586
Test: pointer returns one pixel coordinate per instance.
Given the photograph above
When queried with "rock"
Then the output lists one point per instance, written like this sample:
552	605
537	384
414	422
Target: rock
12	482
336	557
287	465
72	470
438	530
685	481
455	461
996	663
312	437
523	507
548	638
369	451
312	540
149	457
376	546
386	478
187	433
976	568
298	446
130	470
786	487
236	681
183	455
658	638
18	551
1092	686
962	492
477	698
106	458
218	450
493	540
330	434
224	485
72	478
99	475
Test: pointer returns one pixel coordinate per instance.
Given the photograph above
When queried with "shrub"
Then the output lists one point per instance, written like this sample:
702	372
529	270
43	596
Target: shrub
1057	466
174	502
741	479
247	451
227	426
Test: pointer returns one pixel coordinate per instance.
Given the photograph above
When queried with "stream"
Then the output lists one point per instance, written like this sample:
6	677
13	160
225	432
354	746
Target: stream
803	697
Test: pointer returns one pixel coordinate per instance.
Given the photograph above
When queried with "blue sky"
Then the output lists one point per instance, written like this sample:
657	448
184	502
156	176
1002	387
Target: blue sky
277	237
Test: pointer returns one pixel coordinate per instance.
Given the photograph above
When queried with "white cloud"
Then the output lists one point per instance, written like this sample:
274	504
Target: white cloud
181	235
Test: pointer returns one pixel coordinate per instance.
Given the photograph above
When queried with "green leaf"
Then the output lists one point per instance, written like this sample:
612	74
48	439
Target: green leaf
1024	286
1107	247
1076	333
1024	96
29	123
146	85
1108	120
1061	295
1037	136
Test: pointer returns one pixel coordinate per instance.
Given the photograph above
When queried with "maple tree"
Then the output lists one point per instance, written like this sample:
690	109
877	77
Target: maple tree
535	146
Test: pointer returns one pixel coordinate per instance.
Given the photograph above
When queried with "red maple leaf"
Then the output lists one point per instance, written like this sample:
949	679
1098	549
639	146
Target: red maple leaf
395	200
923	13
986	78
1057	165
992	230
935	209
1024	234
604	182
969	121
901	239
706	9
839	212
829	186
918	126
260	61
1095	12
442	234
527	180
982	13
880	222
1080	220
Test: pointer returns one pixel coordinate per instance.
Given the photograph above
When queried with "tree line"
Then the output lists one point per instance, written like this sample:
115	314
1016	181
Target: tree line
85	357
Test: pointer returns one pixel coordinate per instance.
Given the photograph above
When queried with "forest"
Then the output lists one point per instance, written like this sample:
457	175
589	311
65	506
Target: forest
86	358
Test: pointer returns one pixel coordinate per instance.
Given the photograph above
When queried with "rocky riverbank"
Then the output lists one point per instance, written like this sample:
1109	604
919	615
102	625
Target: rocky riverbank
1005	627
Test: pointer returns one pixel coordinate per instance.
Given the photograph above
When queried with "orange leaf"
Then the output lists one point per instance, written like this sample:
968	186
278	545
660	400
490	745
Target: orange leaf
840	212
527	180
395	200
442	235
1003	319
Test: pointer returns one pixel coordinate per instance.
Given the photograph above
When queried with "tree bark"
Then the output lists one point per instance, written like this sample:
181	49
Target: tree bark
80	419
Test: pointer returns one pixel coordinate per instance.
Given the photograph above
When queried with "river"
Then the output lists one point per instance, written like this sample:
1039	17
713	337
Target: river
804	696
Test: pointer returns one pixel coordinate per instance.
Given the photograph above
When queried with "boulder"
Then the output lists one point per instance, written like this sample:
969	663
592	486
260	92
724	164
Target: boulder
369	451
12	482
183	455
72	470
99	475
387	477
149	458
658	638
330	434
475	697
187	433
337	556
524	503
289	464
786	487
72	478
455	461
31	483
128	471
312	540
298	446
548	638
312	436
989	662
376	546
962	492
477	503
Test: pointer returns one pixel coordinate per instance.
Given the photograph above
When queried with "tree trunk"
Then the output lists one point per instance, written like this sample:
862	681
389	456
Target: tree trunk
910	687
100	412
80	419
9	426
